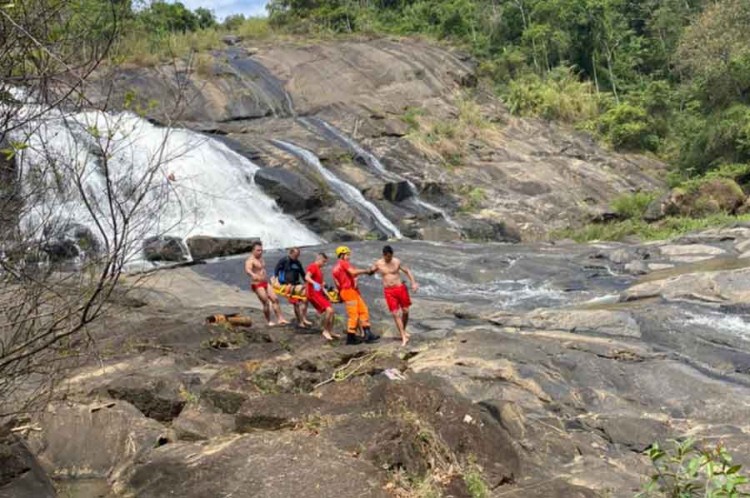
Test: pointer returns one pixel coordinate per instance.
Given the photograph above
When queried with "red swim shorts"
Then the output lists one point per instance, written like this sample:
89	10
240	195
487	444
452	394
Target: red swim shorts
319	301
259	285
397	297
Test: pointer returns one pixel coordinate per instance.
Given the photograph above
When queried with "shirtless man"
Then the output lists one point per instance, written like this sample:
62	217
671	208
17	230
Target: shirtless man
396	293
255	268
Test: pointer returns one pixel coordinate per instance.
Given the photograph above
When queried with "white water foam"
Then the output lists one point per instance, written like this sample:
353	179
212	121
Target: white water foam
181	183
731	324
506	293
348	192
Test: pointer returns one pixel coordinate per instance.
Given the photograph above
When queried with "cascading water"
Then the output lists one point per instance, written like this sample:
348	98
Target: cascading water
374	163
174	182
348	192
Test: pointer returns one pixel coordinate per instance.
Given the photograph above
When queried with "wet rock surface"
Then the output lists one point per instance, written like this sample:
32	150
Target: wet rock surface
542	370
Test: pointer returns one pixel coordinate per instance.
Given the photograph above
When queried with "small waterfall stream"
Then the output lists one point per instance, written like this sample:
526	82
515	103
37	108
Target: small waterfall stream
347	192
375	164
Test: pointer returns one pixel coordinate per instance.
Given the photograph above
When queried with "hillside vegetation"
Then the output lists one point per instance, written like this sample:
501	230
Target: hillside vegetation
663	77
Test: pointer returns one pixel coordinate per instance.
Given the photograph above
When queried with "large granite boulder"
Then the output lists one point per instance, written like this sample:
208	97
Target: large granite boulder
94	441
202	247
292	192
260	465
21	476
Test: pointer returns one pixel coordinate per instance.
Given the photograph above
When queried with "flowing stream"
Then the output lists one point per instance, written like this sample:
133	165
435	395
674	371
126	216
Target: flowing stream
375	165
348	192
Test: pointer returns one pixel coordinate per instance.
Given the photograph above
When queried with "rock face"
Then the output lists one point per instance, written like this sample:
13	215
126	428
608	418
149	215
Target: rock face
293	192
94	441
21	476
155	397
213	247
164	249
369	111
280	466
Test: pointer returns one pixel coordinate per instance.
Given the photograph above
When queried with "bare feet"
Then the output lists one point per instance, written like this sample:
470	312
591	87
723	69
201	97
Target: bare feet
306	323
327	335
335	335
405	339
283	321
271	324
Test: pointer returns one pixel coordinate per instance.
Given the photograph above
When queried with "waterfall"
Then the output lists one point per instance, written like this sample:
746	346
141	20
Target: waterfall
375	165
349	193
181	183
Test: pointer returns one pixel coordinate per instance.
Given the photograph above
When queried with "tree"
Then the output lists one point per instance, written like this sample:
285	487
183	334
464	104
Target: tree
57	151
166	17
715	52
206	18
233	22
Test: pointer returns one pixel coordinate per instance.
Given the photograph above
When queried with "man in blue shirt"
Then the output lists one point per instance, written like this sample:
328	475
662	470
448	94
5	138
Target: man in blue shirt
289	271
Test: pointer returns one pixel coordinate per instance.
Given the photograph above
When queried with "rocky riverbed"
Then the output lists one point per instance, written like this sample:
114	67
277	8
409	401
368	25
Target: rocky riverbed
536	371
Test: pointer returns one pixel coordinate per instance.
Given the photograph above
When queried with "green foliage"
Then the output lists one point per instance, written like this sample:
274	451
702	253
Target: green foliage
253	27
628	127
475	483
165	17
559	95
231	23
723	137
633	206
447	139
411	118
663	230
686	471
473	198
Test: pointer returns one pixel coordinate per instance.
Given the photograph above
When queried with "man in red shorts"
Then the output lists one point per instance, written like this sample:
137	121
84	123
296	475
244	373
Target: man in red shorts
396	294
255	267
316	294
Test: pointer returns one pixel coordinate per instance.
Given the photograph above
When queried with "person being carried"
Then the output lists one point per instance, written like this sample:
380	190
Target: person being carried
395	291
345	277
255	267
317	297
289	271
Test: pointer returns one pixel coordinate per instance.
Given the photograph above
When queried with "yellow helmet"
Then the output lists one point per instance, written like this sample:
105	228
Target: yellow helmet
342	250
